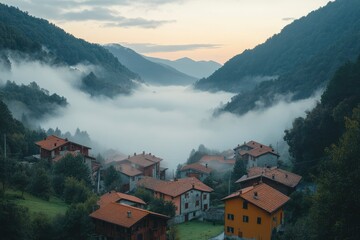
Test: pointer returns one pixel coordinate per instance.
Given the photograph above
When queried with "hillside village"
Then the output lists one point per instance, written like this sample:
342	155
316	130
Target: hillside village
254	209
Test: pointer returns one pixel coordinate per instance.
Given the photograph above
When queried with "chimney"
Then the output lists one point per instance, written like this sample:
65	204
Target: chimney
175	179
286	175
143	152
256	195
260	146
66	139
129	214
55	144
128	156
193	185
134	154
150	154
273	176
206	165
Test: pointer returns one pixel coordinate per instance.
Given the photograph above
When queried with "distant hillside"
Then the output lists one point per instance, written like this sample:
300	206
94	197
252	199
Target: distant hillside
44	41
295	62
149	71
198	69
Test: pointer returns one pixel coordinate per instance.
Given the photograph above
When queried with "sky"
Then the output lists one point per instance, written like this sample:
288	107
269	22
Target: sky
199	29
166	121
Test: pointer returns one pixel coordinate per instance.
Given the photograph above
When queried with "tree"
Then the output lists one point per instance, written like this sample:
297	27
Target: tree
75	191
112	179
161	206
336	208
70	166
238	171
20	180
40	184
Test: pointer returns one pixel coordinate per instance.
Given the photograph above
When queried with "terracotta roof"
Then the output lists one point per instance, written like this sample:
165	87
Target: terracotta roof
127	169
51	142
143	160
173	188
276	174
118	214
262	196
198	167
113	196
256	149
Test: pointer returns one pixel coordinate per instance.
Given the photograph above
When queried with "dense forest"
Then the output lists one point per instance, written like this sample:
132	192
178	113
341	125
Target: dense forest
44	41
296	62
324	147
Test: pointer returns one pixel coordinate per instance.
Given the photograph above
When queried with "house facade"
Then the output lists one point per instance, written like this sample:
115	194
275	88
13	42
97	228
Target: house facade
129	176
147	163
190	196
255	154
121	221
283	181
254	212
197	170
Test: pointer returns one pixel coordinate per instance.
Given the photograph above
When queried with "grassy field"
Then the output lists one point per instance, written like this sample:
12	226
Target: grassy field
51	208
198	230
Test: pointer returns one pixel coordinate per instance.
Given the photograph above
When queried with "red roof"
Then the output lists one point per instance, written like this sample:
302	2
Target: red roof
127	169
143	160
276	174
256	149
118	214
173	188
262	196
52	142
113	196
198	167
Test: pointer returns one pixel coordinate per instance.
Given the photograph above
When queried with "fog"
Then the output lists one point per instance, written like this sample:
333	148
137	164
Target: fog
166	121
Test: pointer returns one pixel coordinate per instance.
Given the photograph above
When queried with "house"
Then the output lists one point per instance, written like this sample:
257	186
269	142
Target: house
148	164
255	154
121	198
277	178
220	163
190	196
54	148
195	170
254	212
129	176
121	221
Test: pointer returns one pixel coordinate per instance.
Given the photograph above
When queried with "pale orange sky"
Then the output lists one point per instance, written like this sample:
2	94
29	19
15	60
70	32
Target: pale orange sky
199	29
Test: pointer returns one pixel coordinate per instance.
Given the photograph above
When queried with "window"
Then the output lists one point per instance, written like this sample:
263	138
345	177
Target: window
258	220
205	206
230	216
197	203
245	204
187	195
194	214
186	205
204	196
230	229
245	218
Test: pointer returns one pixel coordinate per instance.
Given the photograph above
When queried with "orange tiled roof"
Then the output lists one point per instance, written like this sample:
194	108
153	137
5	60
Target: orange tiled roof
127	169
116	197
198	167
262	196
276	174
143	160
118	214
173	188
51	142
256	149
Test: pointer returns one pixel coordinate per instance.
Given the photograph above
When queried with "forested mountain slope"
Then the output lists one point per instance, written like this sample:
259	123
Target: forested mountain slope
44	41
296	62
149	71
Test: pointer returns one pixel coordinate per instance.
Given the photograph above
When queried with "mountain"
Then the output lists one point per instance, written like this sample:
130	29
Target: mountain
198	69
294	63
44	41
149	71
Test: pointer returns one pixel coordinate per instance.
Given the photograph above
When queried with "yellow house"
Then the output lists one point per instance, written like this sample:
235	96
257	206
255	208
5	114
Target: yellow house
254	212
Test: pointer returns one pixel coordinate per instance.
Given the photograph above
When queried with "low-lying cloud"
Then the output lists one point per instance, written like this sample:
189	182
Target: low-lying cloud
156	48
166	121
